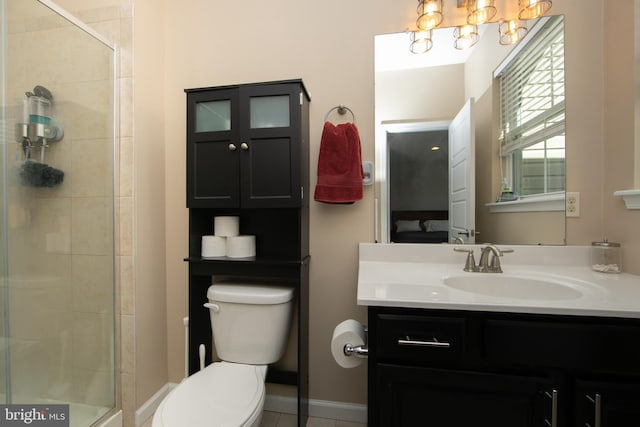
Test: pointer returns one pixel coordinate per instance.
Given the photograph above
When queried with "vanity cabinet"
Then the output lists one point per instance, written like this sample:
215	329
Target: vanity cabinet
447	368
266	186
245	144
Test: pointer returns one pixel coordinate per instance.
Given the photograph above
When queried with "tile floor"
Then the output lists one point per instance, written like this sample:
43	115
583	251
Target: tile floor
275	419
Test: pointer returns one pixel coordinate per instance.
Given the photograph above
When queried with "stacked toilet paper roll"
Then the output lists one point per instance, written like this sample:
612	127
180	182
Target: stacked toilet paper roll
225	226
227	240
348	332
213	246
243	246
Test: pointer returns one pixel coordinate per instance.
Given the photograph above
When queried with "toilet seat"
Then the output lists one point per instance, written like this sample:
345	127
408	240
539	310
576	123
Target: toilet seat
223	394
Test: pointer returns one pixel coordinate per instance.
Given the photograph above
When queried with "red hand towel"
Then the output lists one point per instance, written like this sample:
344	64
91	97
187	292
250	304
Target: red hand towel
339	165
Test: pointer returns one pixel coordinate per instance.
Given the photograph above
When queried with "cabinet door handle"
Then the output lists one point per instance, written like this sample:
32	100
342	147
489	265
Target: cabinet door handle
597	404
232	147
419	343
554	408
244	146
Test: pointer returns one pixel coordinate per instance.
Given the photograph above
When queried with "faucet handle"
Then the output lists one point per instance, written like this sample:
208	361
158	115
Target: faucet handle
470	263
495	266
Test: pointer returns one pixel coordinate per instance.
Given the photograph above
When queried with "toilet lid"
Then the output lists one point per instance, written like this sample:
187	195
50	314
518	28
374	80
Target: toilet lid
223	394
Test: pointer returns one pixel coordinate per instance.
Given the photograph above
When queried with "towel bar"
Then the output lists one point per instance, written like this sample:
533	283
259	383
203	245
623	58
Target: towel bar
342	110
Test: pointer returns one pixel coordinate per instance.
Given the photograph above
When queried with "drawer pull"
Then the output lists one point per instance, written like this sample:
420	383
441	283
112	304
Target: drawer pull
418	343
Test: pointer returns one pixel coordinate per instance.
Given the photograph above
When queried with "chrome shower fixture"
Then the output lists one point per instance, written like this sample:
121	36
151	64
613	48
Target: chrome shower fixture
37	125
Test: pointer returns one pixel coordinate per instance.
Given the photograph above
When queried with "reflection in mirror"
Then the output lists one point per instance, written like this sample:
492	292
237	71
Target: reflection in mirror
519	165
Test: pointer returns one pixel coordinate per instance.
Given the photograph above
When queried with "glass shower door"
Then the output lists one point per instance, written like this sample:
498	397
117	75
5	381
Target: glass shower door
57	229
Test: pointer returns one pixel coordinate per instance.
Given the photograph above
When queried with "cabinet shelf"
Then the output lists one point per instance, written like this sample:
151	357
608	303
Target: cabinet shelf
254	266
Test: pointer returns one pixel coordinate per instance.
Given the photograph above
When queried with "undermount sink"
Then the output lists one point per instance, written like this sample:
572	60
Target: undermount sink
513	287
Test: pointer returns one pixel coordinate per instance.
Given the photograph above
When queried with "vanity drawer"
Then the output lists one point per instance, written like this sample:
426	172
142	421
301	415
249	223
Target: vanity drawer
596	346
420	338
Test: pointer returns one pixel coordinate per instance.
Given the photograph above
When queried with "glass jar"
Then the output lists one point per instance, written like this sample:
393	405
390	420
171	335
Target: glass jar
606	257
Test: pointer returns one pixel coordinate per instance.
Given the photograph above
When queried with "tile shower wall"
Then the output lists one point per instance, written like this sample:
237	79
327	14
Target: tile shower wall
115	22
61	237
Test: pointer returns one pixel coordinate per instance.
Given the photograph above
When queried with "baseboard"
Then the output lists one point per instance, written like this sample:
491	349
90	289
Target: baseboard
289	405
147	409
113	421
319	408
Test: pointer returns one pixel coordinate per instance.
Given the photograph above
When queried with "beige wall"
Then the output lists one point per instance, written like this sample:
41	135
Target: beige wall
330	46
619	224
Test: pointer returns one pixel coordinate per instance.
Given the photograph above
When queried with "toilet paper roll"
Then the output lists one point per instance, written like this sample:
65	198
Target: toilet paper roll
213	246
226	226
348	332
241	246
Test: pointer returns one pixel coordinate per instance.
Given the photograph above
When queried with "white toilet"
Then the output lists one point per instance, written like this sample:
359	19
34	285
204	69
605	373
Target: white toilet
250	324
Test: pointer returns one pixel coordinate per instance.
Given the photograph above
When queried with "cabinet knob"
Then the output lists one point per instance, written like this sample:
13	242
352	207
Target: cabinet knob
244	146
232	147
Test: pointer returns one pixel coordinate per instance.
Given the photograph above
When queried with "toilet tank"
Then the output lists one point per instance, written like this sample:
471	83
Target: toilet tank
250	321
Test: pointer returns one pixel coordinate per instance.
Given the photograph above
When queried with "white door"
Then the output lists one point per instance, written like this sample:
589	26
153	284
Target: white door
462	180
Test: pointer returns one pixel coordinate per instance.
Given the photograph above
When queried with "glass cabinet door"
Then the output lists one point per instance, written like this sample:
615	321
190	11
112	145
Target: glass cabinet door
213	116
269	111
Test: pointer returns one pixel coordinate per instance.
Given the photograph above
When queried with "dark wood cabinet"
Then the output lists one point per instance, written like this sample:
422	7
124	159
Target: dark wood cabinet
447	368
245	144
415	396
266	185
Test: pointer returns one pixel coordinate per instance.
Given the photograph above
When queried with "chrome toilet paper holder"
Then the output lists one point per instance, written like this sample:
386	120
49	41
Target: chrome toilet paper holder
361	351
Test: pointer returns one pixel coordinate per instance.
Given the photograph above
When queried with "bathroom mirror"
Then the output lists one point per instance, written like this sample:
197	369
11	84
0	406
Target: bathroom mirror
416	98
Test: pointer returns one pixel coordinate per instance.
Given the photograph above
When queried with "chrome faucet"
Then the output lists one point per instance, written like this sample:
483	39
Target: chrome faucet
489	259
458	241
493	266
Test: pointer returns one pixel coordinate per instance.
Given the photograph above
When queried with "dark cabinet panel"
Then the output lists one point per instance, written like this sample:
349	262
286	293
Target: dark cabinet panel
446	398
565	343
246	146
212	159
607	404
421	338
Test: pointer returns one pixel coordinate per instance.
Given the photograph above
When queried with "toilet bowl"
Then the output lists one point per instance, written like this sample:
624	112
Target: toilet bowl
250	324
223	394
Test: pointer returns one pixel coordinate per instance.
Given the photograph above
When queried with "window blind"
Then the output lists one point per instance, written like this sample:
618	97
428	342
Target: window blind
532	95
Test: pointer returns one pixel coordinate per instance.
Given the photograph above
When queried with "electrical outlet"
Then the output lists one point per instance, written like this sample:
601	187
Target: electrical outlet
572	200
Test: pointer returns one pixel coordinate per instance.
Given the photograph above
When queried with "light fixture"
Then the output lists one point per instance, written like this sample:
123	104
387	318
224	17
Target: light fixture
420	41
429	14
511	31
532	9
480	11
465	36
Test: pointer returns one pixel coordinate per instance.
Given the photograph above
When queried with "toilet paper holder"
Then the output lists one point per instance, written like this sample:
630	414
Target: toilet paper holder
361	351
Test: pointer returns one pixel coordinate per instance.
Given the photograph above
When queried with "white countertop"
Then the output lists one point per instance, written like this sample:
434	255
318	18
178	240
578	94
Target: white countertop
411	276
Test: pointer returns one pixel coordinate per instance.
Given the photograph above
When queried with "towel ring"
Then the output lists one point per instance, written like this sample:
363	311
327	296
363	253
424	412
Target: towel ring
342	110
